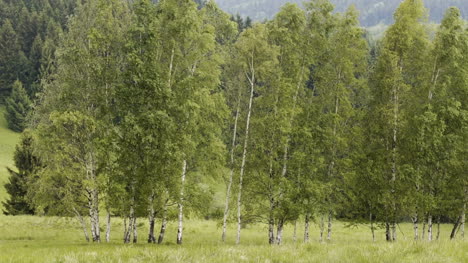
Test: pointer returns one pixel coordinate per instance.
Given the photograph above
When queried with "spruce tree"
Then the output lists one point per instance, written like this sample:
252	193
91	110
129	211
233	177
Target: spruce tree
27	164
18	107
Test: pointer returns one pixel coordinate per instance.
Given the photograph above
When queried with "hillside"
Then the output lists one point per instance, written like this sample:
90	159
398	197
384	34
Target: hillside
372	11
8	141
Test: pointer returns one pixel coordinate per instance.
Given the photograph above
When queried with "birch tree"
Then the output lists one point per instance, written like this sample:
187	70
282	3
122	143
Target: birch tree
73	115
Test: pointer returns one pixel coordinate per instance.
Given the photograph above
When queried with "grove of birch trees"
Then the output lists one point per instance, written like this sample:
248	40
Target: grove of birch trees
148	110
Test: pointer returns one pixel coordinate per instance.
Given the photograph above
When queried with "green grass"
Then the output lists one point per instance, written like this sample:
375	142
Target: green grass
8	140
50	239
54	239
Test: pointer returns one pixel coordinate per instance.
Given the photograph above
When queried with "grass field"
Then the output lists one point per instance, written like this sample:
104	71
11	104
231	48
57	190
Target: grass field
53	239
8	140
49	239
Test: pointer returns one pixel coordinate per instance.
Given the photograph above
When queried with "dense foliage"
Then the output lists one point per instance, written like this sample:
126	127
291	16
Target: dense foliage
149	105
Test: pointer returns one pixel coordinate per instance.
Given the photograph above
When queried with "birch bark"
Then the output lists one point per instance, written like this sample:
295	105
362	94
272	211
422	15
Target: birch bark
228	191
244	153
181	205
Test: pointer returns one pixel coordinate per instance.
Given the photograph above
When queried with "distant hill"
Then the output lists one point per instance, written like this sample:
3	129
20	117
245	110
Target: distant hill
372	12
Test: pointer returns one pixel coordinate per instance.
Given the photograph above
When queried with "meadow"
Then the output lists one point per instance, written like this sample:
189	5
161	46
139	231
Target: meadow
53	239
60	239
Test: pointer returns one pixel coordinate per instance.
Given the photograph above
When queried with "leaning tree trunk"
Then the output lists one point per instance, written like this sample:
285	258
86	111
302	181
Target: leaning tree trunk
231	176
455	227
181	205
306	228
244	153
82	222
163	223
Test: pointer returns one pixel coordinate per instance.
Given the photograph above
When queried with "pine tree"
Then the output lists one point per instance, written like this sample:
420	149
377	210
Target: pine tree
27	164
18	107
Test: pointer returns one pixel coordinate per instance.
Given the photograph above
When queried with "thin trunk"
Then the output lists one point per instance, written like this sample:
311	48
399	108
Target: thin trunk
271	225
424	229
372	226
181	205
322	227
394	231
279	231
394	153
151	219
108	228
96	216
135	234
271	231
429	227
387	232
415	226
91	216
129	228
244	153
231	176
306	228
82	222
291	119
295	232
125	229
455	227
438	228
329	226
163	224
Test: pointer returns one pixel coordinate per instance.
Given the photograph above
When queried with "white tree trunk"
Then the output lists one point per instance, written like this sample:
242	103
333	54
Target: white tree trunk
279	231
429	227
244	153
151	219
231	176
329	226
108	228
322	227
181	205
415	226
163	224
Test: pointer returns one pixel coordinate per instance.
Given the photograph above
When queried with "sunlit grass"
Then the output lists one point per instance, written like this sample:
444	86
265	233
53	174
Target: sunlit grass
50	239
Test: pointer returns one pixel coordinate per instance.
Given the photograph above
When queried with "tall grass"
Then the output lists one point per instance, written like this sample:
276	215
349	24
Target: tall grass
54	239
